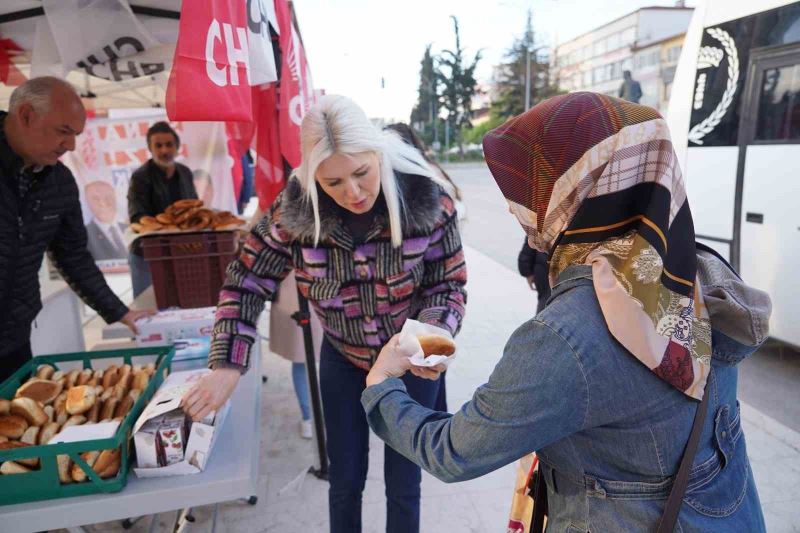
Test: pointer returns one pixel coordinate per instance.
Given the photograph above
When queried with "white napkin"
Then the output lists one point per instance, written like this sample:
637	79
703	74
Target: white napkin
409	344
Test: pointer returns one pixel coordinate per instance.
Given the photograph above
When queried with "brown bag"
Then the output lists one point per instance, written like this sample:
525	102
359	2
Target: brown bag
529	501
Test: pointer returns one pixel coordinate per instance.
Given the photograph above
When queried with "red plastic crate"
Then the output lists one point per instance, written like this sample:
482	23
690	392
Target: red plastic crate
188	269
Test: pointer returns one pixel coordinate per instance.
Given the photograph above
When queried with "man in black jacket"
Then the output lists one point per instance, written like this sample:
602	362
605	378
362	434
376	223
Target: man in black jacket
40	212
155	186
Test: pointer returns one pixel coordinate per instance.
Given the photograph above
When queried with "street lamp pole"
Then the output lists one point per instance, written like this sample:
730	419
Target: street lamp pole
527	77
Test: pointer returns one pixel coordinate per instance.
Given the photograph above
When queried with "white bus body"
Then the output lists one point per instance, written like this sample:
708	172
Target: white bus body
734	114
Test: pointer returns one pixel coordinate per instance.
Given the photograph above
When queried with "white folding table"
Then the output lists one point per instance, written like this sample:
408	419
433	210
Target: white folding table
231	474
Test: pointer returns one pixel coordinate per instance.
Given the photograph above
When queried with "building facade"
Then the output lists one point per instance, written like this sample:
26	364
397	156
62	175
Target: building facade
642	42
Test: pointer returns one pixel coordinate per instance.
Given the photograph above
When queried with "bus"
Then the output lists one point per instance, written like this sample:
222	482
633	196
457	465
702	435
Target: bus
734	114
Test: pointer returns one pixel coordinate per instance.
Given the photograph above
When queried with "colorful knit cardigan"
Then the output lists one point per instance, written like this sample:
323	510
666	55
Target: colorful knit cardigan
362	293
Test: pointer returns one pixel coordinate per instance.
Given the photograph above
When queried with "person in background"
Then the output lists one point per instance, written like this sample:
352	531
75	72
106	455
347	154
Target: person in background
372	237
286	340
630	89
155	186
604	384
40	212
103	230
248	172
408	134
532	265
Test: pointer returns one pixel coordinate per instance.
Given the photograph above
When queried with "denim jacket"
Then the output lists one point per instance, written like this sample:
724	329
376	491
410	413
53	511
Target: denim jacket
609	433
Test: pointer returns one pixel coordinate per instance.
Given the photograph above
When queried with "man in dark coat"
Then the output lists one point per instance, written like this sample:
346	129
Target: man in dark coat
532	265
155	186
40	212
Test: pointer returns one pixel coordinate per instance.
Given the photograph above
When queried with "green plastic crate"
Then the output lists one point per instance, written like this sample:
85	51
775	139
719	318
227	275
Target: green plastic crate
44	484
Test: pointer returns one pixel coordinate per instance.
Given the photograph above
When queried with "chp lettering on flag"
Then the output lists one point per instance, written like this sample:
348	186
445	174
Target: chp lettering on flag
210	73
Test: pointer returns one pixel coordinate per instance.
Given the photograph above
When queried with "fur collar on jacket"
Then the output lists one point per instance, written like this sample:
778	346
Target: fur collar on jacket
421	197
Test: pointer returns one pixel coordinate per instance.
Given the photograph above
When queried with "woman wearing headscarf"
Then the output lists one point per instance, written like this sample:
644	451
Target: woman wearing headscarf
605	382
372	238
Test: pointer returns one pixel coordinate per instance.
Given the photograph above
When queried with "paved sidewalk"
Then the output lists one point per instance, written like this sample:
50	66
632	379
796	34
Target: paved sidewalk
499	300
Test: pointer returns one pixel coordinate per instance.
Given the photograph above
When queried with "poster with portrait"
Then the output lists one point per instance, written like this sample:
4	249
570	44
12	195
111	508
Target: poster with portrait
112	148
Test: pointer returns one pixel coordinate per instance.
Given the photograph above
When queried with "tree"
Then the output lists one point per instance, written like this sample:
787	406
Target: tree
427	107
458	86
510	75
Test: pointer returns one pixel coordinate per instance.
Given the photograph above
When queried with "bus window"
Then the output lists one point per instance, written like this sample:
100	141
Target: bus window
779	105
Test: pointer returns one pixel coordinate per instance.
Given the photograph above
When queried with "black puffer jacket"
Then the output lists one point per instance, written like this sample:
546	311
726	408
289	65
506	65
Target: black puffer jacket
48	219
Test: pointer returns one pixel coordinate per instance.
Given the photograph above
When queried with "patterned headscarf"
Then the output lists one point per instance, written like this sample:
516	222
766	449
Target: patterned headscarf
594	180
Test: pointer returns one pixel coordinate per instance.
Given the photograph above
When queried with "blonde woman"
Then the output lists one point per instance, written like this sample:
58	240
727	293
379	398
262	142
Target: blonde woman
372	238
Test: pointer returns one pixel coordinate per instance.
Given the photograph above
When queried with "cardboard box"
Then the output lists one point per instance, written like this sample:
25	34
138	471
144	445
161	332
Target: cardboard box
160	413
166	326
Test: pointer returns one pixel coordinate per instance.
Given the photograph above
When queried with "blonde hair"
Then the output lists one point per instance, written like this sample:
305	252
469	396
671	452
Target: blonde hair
337	125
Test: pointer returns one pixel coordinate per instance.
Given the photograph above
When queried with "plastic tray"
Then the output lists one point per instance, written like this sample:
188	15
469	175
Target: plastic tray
44	484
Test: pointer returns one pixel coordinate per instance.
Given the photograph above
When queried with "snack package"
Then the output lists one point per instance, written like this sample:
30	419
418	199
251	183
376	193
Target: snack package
167	442
165	327
409	344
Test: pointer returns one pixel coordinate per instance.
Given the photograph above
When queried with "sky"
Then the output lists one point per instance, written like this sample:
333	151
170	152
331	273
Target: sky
352	44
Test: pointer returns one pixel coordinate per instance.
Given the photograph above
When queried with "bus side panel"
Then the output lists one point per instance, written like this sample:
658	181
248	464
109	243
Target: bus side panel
711	189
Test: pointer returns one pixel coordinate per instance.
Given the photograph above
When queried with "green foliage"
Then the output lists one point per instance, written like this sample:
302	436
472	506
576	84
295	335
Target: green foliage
510	75
457	78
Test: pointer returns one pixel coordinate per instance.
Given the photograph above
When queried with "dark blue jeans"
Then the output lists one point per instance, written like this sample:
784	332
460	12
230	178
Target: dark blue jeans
341	385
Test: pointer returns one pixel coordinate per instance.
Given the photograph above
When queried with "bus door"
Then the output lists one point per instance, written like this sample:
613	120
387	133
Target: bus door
767	218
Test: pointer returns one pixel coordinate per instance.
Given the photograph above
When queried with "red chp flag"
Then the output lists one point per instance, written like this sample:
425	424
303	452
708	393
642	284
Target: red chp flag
269	176
297	91
209	78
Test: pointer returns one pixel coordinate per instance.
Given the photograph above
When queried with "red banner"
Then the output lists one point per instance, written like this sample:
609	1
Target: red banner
297	91
269	177
209	78
9	74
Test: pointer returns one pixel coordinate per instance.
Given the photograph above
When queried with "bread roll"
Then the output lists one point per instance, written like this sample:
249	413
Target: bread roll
32	462
123	406
10	467
57	375
107	393
123	385
13	426
48	432
436	345
85	376
150	368
72	377
107	464
30	410
110	377
60	403
74	420
62	418
5	406
109	407
140	380
94	413
45	372
80	399
31	436
78	475
98	374
3	438
64	467
41	390
50	411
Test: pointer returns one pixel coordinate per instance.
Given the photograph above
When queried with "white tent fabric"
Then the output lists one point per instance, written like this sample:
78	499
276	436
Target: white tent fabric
24	22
